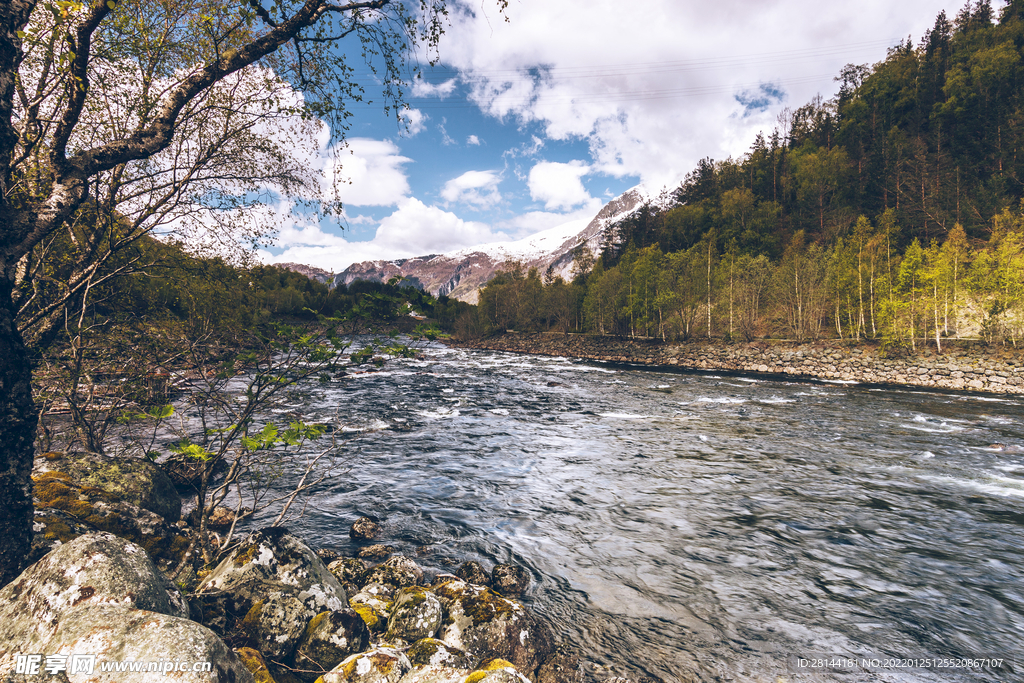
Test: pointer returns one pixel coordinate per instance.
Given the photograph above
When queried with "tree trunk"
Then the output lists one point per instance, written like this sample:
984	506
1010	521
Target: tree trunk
17	435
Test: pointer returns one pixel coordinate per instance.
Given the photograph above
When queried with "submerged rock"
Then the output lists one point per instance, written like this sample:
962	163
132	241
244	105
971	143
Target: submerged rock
510	580
329	638
472	572
364	529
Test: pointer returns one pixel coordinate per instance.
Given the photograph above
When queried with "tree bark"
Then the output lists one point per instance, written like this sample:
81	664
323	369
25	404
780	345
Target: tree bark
17	432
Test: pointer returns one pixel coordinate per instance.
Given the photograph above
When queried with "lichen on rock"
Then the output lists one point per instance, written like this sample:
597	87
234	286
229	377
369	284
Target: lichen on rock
415	614
329	638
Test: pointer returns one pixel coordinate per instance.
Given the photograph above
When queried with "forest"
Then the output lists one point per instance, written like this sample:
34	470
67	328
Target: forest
890	212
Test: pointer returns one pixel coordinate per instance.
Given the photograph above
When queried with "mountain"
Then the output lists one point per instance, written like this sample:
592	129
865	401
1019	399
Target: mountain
460	274
312	272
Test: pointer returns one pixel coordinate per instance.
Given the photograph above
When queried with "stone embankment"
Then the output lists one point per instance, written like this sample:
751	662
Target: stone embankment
962	366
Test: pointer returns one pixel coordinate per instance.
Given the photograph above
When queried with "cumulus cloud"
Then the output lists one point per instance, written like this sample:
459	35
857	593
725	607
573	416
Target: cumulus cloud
472	140
695	87
477	188
558	185
418	229
368	173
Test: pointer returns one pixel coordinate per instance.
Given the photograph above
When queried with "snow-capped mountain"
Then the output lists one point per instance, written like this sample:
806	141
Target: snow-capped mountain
460	274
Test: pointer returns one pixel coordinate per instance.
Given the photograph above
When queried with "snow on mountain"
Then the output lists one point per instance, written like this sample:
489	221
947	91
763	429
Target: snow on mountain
460	274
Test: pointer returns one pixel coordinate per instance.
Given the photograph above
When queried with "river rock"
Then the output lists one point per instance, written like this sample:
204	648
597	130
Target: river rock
89	571
133	480
510	580
472	572
364	529
329	638
415	614
430	673
488	626
373	604
380	665
268	562
434	652
349	571
254	662
53	527
97	509
376	551
398	571
562	666
275	622
497	671
122	634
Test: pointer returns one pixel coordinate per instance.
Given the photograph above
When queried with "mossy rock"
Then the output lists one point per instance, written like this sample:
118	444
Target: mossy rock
253	661
349	571
94	508
434	652
415	614
329	638
132	480
380	665
472	572
398	571
275	624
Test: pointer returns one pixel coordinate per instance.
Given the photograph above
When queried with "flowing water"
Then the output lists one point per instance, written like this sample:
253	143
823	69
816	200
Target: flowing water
694	527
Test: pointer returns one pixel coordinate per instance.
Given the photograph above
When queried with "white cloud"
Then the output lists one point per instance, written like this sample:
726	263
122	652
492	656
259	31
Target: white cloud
478	188
415	122
418	229
422	88
558	185
369	173
472	140
655	90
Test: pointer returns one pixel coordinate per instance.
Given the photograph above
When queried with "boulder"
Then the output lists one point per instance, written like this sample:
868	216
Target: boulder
133	480
364	529
472	572
122	634
275	622
398	571
329	638
488	626
510	580
101	595
434	652
53	527
168	544
380	665
416	613
89	571
269	562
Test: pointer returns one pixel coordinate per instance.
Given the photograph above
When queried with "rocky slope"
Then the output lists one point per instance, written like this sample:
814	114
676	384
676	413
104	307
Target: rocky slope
461	274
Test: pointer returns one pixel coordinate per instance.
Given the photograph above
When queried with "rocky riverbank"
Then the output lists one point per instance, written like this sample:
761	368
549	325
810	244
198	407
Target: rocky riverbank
962	365
100	605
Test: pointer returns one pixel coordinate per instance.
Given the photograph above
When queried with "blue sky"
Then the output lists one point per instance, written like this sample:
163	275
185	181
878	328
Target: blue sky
536	122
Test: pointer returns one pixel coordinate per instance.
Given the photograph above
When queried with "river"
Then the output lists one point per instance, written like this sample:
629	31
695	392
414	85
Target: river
698	527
